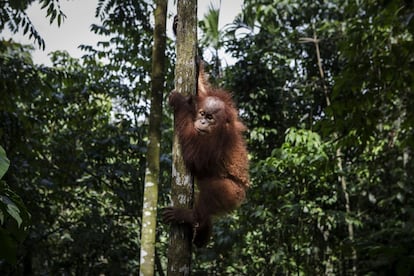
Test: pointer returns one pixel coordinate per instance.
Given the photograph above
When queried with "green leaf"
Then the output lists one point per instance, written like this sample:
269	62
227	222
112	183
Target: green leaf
14	211
44	5
4	162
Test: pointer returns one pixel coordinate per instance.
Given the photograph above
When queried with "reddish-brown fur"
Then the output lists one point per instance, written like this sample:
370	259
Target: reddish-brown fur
218	160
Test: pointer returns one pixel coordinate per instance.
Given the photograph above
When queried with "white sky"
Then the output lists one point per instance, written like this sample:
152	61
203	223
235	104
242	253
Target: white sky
80	14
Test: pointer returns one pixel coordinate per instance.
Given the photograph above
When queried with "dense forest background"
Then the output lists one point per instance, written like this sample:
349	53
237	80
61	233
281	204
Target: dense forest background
325	87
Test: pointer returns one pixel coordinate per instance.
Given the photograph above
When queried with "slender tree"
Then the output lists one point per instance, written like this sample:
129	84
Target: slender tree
339	155
179	252
149	211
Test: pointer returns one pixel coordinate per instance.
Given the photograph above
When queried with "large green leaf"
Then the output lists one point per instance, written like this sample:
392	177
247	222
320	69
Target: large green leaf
4	162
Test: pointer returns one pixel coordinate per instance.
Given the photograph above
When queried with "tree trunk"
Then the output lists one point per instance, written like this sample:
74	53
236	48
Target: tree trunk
149	211
179	251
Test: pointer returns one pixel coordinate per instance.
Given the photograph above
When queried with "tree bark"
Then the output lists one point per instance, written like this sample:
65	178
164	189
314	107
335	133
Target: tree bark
179	251
149	211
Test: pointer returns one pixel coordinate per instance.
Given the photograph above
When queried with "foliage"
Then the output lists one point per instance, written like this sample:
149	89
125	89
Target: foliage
295	220
13	15
377	126
14	217
73	166
212	37
75	134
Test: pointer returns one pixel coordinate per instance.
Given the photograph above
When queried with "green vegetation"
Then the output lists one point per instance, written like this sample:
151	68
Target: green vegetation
325	87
